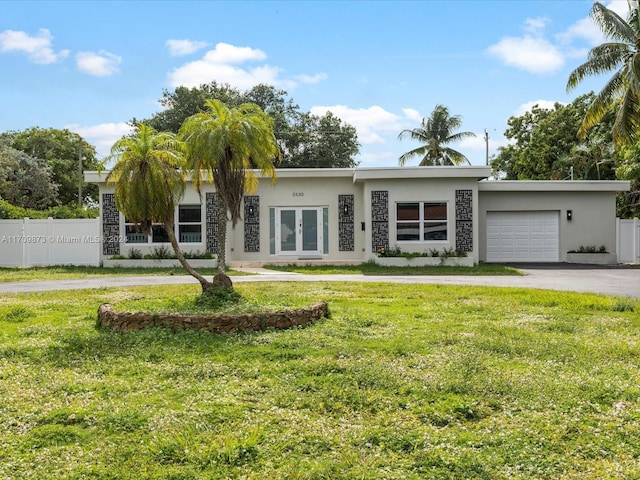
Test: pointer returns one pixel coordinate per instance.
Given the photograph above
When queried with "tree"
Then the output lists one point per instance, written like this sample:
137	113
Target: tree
225	143
305	140
620	55
26	181
149	181
544	145
59	149
320	142
435	133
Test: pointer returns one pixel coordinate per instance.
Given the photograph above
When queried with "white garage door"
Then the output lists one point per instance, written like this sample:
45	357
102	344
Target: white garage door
522	236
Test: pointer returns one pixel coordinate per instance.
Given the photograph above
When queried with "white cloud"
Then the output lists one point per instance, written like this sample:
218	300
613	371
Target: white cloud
373	124
526	107
225	64
99	64
102	136
529	53
534	25
178	48
38	48
318	77
412	114
225	53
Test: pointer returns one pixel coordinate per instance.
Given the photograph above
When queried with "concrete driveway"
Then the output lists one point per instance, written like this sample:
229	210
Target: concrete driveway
619	281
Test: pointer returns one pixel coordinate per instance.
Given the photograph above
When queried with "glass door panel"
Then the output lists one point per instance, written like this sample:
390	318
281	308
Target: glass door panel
310	230
299	231
288	227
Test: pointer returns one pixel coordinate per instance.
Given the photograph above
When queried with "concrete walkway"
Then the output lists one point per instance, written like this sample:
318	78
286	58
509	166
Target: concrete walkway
609	281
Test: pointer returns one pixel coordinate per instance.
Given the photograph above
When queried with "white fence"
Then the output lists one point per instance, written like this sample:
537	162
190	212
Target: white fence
628	241
28	243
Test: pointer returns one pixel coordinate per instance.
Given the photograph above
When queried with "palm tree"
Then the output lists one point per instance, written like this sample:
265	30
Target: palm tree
435	133
225	144
622	56
149	182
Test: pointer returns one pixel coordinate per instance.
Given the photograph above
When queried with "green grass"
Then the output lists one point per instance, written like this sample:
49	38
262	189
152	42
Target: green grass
64	272
402	382
370	268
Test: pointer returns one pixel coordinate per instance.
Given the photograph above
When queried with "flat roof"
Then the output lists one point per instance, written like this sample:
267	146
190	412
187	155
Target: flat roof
385	173
554	186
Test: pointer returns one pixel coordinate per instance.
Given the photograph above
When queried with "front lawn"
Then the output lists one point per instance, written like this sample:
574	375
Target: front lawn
402	382
370	268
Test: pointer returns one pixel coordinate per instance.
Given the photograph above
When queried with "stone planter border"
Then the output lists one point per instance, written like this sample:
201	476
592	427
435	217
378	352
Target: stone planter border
425	261
593	258
127	321
165	263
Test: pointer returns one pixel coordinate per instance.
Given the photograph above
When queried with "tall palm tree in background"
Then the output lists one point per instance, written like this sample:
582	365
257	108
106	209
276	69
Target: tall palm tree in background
149	182
621	55
225	144
435	133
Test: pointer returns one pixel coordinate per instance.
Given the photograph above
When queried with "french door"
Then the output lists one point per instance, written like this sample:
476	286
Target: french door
299	231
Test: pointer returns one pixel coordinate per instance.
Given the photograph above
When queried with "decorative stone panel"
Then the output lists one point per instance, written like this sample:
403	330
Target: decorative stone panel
110	225
251	223
211	219
345	223
379	220
464	220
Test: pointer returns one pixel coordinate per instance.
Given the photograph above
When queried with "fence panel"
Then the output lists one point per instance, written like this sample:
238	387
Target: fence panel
629	241
11	243
50	242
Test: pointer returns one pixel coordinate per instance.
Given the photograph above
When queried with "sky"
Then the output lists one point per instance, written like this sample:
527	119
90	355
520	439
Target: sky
381	66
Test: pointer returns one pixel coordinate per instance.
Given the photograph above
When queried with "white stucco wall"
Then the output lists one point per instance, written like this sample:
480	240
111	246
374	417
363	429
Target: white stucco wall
593	220
421	190
303	189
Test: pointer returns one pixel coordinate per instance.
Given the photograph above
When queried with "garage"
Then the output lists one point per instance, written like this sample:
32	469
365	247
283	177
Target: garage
523	236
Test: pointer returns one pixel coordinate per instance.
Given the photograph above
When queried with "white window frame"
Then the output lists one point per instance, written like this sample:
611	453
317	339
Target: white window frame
149	237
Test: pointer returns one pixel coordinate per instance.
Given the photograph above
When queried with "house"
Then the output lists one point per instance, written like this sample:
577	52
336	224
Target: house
348	215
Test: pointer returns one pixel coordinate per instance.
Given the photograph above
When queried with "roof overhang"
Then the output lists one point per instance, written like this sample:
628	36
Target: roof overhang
387	173
554	186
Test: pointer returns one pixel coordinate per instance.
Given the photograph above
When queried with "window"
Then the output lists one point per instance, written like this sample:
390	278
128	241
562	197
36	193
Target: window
190	223
421	221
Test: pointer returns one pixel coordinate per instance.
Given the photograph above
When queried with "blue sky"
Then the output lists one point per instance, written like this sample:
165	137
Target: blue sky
91	66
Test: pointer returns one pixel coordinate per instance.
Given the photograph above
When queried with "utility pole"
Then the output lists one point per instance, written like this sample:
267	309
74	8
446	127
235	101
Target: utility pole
486	146
80	174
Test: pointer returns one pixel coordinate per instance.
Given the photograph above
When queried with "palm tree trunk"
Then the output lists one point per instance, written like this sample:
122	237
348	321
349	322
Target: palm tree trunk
222	280
222	236
204	283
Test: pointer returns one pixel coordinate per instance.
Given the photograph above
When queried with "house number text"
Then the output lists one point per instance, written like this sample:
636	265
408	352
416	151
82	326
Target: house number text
298	194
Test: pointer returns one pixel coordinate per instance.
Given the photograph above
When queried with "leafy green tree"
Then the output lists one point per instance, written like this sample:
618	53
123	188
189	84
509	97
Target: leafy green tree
59	149
629	169
620	54
226	143
149	181
320	142
305	140
544	145
26	181
435	134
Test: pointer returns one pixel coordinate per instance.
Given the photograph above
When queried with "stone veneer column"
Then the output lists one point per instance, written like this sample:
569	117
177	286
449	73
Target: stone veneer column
110	225
345	223
464	220
379	220
211	218
251	223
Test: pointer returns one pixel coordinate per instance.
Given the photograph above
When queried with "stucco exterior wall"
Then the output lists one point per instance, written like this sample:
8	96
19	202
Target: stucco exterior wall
421	190
593	220
303	191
